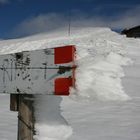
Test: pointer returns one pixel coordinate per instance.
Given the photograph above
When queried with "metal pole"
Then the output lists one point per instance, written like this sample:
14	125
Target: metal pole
69	24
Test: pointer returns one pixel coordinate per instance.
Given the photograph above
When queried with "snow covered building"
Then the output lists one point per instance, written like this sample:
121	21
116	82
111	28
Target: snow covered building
132	32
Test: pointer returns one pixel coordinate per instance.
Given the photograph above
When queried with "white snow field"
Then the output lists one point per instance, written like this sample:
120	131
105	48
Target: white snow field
106	102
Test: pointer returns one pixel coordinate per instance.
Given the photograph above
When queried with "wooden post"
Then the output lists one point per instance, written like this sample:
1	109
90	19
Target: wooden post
14	102
26	117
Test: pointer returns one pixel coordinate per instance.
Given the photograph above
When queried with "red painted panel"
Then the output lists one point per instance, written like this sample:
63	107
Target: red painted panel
62	86
64	54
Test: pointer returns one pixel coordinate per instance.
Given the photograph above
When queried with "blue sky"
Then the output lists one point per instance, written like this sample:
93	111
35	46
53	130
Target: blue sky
26	17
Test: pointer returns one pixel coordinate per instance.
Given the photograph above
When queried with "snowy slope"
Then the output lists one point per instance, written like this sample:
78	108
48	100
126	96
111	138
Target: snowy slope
105	105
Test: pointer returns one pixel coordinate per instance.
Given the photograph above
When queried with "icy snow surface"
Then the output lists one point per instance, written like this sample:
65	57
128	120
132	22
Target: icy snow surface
106	103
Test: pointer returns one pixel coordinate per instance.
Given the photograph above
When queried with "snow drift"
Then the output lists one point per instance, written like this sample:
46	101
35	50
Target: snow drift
100	56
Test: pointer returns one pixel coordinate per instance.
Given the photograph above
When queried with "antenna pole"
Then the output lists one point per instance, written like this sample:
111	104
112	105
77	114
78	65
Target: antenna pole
69	25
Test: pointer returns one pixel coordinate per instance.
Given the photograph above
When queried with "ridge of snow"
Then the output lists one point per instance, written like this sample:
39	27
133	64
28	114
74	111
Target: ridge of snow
99	51
101	55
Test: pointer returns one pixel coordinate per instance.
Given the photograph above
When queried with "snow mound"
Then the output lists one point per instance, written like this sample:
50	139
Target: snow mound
50	124
101	79
100	57
50	132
